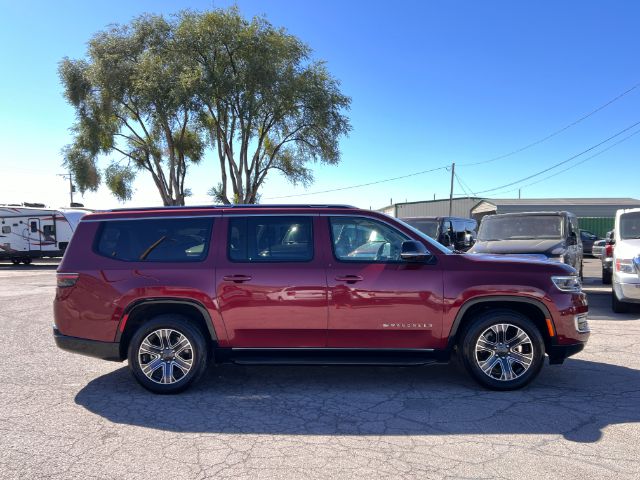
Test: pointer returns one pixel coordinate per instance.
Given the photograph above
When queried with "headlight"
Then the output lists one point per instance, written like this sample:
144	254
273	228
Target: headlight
624	265
568	283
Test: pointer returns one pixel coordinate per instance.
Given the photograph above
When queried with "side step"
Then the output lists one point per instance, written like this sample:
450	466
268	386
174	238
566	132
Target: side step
330	356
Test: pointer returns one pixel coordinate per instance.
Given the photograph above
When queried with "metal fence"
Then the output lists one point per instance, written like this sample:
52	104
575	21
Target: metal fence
596	225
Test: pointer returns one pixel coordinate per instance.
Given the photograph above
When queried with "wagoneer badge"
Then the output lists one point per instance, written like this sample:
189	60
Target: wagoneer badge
407	325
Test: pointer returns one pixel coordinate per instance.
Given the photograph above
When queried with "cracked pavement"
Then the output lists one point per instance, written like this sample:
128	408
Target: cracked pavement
67	416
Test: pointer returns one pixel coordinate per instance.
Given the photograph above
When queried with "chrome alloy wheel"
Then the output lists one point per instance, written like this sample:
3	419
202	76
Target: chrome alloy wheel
504	352
165	356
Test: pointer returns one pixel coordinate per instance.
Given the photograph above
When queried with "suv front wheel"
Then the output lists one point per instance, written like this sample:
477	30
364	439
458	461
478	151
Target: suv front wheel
167	354
502	350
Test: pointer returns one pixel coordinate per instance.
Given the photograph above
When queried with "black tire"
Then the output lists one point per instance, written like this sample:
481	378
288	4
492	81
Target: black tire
15	261
616	305
197	353
606	276
581	271
533	350
26	261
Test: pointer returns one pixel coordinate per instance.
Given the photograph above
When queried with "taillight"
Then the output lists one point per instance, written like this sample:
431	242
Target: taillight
608	251
66	280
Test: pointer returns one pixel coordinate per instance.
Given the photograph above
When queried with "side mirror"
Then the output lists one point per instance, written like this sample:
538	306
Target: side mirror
412	251
572	239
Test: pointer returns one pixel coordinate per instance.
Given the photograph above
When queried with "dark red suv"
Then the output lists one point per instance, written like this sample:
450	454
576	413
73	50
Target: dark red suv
173	289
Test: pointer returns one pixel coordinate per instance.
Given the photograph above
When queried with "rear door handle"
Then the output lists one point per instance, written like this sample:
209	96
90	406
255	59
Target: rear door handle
236	278
349	278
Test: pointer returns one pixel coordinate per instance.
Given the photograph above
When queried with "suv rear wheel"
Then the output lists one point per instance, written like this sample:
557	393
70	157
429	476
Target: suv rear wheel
167	354
502	350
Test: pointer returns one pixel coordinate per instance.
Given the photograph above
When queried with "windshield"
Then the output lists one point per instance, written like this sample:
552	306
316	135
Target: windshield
426	237
525	227
428	227
630	225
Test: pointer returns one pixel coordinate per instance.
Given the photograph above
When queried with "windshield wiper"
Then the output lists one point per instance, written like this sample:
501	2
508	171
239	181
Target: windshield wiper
146	253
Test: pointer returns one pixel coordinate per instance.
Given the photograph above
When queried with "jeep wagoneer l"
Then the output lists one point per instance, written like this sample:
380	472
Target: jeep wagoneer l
174	289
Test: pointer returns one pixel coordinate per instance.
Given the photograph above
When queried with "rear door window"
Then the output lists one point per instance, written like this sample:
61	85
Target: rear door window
155	240
270	239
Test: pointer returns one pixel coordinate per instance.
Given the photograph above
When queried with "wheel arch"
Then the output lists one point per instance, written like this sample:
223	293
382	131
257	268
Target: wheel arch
140	311
531	308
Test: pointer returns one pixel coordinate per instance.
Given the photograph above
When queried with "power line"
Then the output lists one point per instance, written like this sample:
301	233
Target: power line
560	163
557	132
461	185
575	164
465	188
445	167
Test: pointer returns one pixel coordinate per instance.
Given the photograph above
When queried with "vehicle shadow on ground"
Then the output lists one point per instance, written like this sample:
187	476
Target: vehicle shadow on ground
600	308
576	400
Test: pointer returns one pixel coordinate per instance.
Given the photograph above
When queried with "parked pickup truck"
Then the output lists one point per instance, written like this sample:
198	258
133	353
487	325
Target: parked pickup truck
626	260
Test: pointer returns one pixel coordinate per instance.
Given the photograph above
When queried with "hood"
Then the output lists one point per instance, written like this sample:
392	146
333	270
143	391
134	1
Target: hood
535	246
542	261
627	248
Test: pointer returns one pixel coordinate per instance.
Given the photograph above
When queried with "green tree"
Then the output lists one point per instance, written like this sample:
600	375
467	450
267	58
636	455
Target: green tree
265	104
155	92
134	99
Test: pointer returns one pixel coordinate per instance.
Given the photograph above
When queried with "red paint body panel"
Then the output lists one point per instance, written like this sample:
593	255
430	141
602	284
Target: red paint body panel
303	304
282	305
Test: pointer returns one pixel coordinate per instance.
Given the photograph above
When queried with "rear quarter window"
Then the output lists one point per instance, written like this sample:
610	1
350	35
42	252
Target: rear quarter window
155	240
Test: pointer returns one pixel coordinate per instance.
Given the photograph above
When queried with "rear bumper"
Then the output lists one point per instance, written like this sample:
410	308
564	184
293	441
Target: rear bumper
90	348
627	292
559	353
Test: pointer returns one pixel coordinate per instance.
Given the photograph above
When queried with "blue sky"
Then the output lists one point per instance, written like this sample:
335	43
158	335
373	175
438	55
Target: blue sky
431	83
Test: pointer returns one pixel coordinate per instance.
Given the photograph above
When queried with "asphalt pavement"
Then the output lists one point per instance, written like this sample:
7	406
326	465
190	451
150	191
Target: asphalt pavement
67	416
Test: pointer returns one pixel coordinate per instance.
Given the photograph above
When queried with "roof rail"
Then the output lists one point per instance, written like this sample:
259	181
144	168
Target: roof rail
232	206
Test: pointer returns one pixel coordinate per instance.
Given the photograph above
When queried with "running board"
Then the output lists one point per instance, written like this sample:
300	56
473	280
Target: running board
338	356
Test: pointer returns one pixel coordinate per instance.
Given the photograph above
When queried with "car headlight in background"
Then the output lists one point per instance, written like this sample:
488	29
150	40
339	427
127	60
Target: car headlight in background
625	265
567	283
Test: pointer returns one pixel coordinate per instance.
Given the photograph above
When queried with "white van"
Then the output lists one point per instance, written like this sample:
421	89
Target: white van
27	233
626	260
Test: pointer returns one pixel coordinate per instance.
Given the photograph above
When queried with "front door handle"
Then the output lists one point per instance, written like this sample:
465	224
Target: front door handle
236	278
349	278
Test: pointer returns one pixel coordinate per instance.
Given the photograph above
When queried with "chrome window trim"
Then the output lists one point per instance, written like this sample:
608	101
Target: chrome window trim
159	217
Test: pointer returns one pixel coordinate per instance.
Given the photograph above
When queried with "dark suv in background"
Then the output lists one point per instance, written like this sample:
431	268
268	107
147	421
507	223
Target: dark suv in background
457	233
545	235
174	289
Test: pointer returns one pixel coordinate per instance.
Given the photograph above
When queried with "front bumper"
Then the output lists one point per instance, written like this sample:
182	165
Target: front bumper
559	353
90	348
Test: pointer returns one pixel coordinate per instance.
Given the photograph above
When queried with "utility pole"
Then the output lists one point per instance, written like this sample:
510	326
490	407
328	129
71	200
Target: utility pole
453	172
71	187
518	194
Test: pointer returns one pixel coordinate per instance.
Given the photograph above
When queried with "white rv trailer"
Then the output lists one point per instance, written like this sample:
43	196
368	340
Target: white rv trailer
27	233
